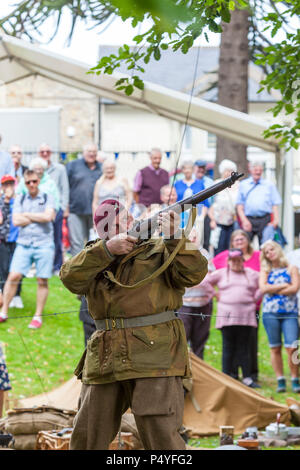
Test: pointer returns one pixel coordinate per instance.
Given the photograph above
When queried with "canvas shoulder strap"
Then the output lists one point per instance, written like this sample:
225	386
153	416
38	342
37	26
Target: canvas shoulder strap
109	275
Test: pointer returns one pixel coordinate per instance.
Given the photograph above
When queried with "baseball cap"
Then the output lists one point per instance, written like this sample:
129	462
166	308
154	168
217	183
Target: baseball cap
234	253
8	179
200	163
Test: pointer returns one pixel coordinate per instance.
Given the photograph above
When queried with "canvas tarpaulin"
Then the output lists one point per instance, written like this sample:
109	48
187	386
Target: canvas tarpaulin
222	400
64	397
226	402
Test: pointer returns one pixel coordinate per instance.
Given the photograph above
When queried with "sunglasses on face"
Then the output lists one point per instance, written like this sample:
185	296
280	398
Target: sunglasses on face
31	181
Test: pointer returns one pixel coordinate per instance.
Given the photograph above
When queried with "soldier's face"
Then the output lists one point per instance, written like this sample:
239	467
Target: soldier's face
121	224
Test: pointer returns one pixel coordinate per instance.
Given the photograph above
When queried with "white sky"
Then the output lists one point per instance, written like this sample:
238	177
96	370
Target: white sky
85	43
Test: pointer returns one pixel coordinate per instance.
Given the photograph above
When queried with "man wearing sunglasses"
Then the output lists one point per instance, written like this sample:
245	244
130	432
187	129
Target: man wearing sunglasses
33	213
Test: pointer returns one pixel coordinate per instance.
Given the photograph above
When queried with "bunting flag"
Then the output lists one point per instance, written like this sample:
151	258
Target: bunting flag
116	155
168	154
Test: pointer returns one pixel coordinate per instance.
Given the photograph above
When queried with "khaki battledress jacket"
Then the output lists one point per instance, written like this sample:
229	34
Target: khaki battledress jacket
150	351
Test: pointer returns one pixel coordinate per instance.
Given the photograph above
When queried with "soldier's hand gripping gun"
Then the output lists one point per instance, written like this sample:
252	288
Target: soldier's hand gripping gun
143	229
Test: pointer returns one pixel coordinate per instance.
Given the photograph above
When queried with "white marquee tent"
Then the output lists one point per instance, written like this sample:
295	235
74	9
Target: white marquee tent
20	59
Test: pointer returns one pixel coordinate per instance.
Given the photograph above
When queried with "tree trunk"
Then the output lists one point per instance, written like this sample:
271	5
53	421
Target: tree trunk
233	82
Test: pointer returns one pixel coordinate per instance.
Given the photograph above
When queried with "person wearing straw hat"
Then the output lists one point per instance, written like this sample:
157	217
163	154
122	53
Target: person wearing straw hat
138	356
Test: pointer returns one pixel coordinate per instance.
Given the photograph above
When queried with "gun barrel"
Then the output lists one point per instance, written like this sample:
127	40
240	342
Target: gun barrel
144	228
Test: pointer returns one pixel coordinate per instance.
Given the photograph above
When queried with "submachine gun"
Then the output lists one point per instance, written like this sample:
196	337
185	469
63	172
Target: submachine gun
143	229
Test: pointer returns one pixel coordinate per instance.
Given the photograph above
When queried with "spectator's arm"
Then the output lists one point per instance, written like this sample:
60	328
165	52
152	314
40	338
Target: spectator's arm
137	186
95	197
65	190
258	295
41	217
246	224
275	220
20	220
267	288
293	287
128	193
211	215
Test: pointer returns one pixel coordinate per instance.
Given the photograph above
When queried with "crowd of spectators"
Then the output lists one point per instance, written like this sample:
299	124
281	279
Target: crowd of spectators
35	201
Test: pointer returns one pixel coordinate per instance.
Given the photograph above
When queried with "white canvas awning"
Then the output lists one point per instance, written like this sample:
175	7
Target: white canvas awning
19	59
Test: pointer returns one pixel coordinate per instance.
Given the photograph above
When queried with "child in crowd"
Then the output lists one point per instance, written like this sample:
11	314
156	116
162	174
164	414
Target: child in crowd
279	282
238	292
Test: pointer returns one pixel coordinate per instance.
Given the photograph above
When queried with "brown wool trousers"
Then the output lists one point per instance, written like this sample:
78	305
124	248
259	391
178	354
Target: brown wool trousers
157	405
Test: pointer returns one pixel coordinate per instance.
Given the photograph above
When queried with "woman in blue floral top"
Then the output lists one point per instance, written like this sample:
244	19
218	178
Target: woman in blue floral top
4	379
279	282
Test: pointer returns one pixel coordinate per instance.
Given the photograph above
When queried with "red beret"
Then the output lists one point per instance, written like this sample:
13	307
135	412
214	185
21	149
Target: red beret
108	209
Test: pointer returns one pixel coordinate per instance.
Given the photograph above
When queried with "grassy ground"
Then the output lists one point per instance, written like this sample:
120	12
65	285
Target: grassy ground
40	360
267	380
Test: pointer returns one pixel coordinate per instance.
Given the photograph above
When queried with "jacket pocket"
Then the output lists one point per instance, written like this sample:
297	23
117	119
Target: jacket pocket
91	369
150	348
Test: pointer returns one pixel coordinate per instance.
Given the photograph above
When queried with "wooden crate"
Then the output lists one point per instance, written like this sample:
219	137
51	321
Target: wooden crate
50	440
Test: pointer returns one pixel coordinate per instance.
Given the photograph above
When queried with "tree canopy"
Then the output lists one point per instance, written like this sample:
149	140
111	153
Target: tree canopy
176	25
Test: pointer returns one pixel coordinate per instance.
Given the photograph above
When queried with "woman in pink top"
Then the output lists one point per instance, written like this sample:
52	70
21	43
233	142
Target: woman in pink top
240	240
238	292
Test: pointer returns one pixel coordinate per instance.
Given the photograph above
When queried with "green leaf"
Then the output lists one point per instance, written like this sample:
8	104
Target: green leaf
289	108
157	54
129	90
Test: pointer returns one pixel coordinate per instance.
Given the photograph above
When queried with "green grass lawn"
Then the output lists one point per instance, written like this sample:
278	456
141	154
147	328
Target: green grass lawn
41	360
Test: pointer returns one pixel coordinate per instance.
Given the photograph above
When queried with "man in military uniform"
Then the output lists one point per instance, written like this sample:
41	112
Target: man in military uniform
138	355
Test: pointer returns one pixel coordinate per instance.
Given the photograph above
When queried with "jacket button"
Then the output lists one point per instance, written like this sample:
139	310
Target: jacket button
151	342
123	360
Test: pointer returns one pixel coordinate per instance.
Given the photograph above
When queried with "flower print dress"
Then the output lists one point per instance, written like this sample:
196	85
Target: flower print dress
276	303
4	379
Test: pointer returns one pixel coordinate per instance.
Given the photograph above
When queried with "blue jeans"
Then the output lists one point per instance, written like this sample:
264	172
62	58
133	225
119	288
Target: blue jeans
278	324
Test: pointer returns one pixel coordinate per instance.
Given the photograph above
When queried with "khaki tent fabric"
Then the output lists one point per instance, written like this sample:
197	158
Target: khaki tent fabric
222	401
226	402
64	397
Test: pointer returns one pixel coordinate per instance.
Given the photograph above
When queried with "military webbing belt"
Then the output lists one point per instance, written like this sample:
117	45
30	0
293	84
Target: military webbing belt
145	320
165	265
